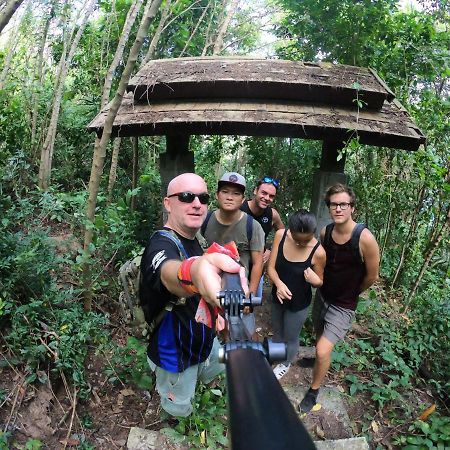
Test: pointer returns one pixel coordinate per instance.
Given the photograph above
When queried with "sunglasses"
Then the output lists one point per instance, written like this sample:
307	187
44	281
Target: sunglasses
189	197
271	180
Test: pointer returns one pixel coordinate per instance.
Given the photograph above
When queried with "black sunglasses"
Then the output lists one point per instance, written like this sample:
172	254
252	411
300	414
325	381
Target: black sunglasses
271	180
189	197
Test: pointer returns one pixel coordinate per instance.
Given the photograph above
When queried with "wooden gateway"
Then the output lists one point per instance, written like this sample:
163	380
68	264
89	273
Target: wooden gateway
261	97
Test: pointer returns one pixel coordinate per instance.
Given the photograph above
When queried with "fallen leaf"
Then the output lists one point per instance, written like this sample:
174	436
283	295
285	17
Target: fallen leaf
37	421
319	432
203	437
127	392
427	412
375	426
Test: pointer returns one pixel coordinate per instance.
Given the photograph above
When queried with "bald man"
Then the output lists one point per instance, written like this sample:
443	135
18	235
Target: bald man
181	348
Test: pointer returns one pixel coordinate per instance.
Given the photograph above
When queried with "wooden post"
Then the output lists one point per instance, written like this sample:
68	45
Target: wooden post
331	171
176	160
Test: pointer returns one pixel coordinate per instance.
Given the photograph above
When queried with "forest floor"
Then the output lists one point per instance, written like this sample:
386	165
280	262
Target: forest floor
45	411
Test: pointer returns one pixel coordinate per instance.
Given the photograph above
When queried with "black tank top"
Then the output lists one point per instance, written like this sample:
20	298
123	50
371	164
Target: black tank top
342	276
265	219
291	274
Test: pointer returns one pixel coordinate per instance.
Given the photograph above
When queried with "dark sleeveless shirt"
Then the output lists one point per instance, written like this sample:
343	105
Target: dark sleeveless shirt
342	276
292	275
265	219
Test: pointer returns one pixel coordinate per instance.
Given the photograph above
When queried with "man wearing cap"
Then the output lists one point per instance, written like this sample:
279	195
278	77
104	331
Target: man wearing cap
229	223
269	218
175	291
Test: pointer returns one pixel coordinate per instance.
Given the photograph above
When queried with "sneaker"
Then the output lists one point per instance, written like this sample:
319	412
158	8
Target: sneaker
281	370
310	399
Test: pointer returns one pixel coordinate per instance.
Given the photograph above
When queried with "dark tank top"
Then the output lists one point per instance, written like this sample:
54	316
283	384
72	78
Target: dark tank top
342	276
291	274
265	219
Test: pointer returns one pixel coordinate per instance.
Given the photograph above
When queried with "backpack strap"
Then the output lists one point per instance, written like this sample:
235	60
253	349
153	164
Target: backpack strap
354	241
205	223
327	237
170	234
249	228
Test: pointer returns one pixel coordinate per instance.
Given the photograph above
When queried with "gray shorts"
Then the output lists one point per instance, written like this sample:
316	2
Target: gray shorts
177	389
329	320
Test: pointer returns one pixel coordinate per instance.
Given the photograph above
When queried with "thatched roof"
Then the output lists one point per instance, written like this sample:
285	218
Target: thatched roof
262	98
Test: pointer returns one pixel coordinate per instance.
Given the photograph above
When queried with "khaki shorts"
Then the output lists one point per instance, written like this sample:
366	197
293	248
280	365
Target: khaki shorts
330	320
177	389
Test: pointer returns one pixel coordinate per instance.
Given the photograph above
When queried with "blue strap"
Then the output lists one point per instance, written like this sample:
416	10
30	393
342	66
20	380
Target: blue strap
249	228
173	237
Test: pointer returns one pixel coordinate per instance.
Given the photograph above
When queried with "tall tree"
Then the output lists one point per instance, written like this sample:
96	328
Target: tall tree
118	55
48	146
7	12
150	12
228	13
344	31
38	75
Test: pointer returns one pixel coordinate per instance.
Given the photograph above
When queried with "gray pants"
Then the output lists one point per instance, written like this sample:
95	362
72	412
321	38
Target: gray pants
177	389
286	327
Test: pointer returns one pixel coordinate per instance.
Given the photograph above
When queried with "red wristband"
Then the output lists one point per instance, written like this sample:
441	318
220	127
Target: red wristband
184	275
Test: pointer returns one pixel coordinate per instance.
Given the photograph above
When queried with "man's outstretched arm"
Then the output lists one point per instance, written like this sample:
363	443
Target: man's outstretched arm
205	274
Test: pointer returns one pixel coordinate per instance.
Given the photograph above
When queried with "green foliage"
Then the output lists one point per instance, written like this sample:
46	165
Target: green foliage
33	444
290	160
435	433
129	364
54	331
47	328
340	31
206	427
387	364
4	437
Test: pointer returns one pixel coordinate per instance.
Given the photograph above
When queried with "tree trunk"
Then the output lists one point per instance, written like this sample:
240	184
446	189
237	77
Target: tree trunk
100	148
412	230
431	250
223	27
154	42
208	35
113	168
8	11
11	46
134	175
129	21
48	146
37	81
386	233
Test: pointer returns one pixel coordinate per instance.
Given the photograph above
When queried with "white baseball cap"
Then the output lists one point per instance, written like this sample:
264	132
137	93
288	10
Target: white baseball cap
232	178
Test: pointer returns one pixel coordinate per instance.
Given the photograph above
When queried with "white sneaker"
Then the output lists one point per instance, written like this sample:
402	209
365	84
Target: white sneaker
281	370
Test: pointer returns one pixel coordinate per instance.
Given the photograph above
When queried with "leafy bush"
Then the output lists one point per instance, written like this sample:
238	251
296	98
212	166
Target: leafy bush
435	433
46	327
388	363
206	427
129	364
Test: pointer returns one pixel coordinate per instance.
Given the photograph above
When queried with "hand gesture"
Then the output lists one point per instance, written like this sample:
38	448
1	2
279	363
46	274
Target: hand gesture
311	277
283	292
